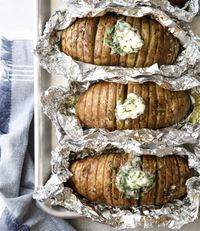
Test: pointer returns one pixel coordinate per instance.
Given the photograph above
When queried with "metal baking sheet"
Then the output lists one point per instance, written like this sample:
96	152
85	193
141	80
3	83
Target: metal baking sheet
45	139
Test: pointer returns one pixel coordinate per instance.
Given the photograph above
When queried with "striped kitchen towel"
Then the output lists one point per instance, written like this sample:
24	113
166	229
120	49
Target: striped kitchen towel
18	210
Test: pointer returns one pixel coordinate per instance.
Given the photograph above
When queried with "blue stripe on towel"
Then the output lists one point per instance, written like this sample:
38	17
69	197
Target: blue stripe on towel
12	223
5	85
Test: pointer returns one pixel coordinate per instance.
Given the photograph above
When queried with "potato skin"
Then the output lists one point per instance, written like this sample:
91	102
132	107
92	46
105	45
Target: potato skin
91	47
98	174
163	107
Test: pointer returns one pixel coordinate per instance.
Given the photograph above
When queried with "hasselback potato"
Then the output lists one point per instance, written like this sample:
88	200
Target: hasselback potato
85	41
95	179
96	108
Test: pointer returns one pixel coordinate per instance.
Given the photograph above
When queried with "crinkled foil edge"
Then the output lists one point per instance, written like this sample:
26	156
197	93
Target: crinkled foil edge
159	142
181	139
172	215
185	13
59	105
186	69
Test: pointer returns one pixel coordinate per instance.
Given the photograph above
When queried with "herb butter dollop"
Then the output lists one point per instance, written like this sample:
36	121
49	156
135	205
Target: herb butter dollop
132	107
122	38
131	180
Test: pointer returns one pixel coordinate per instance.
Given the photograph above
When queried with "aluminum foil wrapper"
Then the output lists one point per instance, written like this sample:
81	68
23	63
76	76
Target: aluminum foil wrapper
59	105
185	13
185	69
75	142
172	215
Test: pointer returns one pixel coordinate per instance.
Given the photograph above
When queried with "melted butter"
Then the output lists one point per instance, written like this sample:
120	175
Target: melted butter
130	179
132	107
125	38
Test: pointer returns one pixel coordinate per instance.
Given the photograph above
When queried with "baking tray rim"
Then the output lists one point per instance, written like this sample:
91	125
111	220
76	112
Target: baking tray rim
39	20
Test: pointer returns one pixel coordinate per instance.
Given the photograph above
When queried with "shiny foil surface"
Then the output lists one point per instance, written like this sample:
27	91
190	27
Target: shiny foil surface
185	69
75	142
59	105
185	12
172	215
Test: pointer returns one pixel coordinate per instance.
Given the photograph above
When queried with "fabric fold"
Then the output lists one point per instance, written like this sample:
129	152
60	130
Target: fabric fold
18	211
